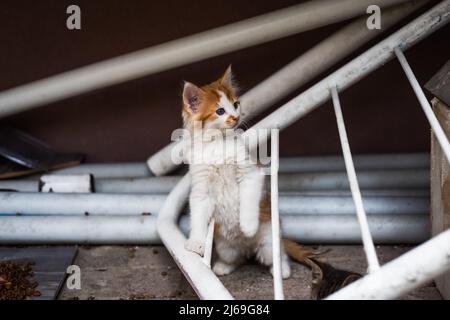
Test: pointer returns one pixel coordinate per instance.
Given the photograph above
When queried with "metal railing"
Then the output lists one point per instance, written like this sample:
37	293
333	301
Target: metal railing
369	247
352	72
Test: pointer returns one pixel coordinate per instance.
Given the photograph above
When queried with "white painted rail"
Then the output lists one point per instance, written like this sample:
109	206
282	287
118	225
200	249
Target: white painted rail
302	203
421	264
141	229
376	179
437	129
275	219
369	247
404	274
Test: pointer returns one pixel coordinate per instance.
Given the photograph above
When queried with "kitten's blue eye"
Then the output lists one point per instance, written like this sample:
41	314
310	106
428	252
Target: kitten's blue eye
220	111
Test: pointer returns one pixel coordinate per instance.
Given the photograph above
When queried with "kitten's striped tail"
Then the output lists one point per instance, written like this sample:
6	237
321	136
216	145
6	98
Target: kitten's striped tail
302	254
325	278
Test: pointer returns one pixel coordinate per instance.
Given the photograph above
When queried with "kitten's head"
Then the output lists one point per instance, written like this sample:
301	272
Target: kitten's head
215	105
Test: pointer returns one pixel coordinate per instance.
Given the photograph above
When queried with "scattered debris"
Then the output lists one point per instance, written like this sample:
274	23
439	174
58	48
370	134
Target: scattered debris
141	296
15	283
132	252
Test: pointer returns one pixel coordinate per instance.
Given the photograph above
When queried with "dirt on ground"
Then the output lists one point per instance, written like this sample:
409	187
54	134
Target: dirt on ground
149	272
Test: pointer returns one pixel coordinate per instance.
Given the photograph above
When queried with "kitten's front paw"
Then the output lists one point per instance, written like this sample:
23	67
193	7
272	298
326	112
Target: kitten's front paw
196	246
285	270
221	268
249	227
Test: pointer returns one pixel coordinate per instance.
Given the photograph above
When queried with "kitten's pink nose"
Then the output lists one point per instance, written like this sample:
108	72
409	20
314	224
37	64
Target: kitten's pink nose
235	118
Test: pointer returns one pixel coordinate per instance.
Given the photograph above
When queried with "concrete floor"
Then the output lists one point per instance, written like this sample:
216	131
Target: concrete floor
148	272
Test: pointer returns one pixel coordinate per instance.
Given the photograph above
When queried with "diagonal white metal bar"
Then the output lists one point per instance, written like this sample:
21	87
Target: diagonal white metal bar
298	72
437	129
199	275
355	70
408	272
138	229
307	202
369	247
292	181
291	164
239	35
276	237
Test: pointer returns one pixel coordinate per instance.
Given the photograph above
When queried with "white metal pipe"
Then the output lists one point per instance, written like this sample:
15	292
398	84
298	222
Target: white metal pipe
137	204
355	70
108	170
384	193
362	162
434	122
77	203
19	185
299	72
386	179
287	165
389	179
313	229
138	185
338	205
344	229
275	217
404	274
78	230
368	180
368	245
199	275
239	35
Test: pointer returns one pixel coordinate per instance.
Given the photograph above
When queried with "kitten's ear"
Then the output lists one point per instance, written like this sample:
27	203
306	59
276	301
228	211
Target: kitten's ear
192	97
227	78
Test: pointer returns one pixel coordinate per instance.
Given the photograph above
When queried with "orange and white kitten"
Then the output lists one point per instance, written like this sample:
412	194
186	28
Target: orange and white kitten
230	188
225	185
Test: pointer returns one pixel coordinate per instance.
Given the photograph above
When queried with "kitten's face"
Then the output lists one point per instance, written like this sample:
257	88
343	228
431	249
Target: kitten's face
215	105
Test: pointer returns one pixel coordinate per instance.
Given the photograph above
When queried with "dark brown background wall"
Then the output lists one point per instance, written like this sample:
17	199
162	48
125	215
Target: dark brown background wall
131	121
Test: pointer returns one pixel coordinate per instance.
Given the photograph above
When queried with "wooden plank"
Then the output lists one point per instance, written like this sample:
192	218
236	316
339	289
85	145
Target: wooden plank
50	266
440	187
439	85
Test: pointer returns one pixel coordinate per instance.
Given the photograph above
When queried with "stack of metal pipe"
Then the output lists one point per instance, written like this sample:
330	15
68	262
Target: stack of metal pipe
315	202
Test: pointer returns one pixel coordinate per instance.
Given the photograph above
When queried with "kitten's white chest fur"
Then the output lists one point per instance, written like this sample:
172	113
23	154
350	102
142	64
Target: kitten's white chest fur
218	170
225	192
